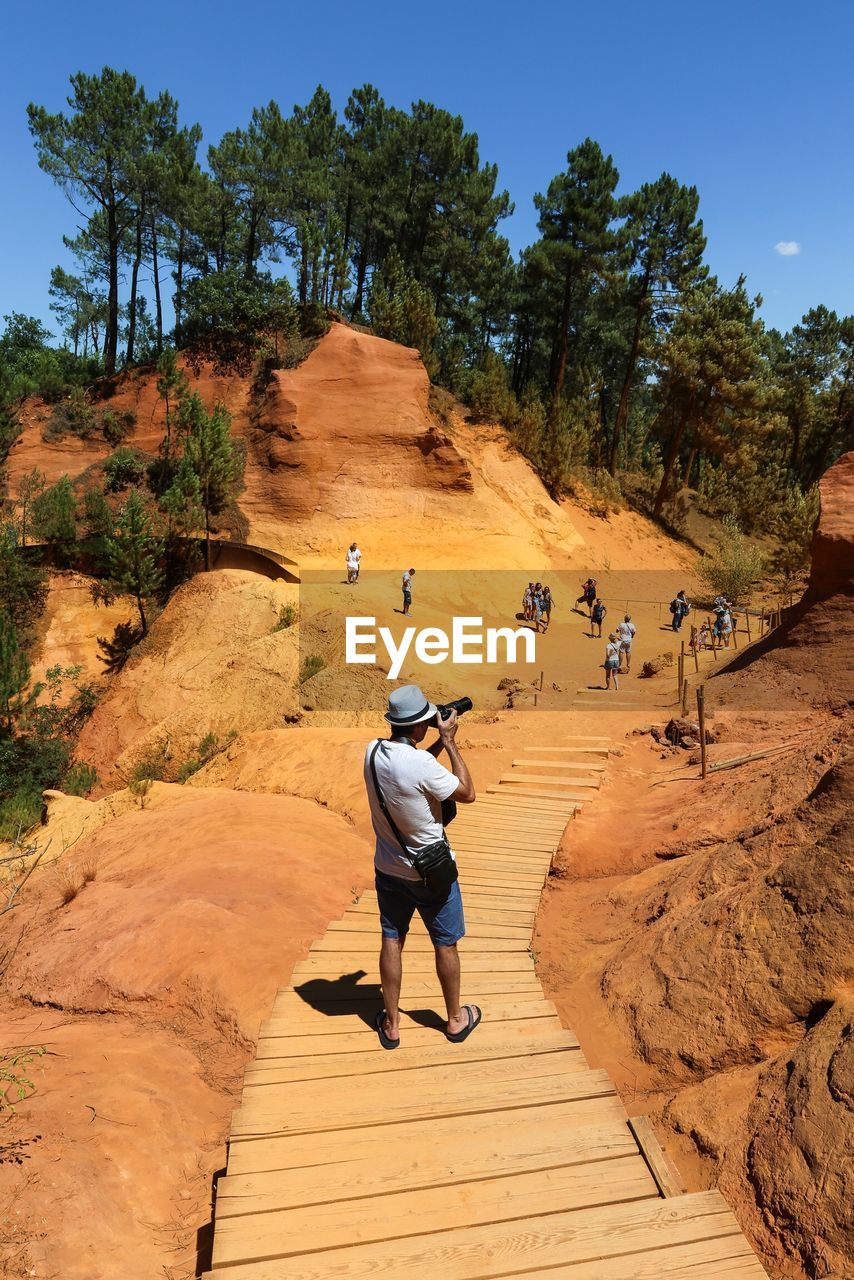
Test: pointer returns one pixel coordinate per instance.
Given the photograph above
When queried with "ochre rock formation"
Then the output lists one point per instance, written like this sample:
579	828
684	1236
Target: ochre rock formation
736	979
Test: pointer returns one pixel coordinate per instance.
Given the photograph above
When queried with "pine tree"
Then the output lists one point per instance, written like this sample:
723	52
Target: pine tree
54	516
30	487
710	372
663	245
213	456
133	552
575	223
172	386
182	502
94	154
14	671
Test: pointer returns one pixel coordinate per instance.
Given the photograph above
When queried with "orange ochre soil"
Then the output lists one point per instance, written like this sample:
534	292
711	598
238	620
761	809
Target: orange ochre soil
697	937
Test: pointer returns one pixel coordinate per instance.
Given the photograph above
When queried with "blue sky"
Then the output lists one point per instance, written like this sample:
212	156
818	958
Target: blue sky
750	101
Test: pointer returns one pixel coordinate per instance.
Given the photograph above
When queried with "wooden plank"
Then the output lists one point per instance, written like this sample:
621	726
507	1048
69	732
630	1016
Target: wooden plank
512	915
580	796
338	995
528	817
350	943
496	1250
293	1151
513	840
578	737
538	833
523	1003
506	910
284	1232
726	1257
512	1038
667	1177
590	766
537	1144
539	779
335	964
479	1092
502	797
412	1066
275	1047
602	748
506	928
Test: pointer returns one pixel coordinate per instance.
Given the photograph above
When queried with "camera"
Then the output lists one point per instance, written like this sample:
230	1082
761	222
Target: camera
459	705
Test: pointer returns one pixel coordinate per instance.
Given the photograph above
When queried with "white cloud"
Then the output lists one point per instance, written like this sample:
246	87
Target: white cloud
787	248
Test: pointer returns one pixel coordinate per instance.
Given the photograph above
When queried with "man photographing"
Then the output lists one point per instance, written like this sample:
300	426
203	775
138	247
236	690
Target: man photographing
406	788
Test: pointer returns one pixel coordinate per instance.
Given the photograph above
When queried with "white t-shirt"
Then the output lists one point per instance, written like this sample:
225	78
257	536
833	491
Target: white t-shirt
626	632
353	558
407	581
414	785
612	654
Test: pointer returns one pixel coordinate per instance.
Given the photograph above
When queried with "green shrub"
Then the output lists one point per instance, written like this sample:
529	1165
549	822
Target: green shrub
792	525
154	766
79	779
489	395
15	1082
209	746
598	491
71	416
287	617
116	426
310	667
733	566
20	812
123	468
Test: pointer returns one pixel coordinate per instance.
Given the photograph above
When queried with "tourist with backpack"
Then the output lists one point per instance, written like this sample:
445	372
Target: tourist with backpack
588	593
680	608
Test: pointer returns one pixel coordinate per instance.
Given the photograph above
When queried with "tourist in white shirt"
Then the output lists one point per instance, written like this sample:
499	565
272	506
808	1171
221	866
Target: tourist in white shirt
354	557
626	631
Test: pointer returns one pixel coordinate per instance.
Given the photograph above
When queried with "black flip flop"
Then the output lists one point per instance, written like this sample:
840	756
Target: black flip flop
474	1017
384	1039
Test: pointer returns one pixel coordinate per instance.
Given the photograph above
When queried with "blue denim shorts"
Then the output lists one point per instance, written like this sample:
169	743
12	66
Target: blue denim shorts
398	901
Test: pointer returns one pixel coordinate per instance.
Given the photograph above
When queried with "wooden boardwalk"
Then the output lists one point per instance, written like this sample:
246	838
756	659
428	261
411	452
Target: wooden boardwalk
503	1156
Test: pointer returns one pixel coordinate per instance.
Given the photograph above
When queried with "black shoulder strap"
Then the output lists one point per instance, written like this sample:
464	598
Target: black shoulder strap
389	819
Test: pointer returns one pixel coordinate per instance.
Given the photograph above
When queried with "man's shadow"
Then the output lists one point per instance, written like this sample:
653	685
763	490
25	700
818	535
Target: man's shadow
347	996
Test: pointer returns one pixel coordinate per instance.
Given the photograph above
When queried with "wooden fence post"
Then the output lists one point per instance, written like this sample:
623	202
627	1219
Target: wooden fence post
747	620
701	717
685	695
695	649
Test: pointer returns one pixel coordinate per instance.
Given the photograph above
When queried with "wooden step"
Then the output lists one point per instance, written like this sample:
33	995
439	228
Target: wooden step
480	1091
274	1048
513	1039
544	794
538	780
285	1022
357	943
474	928
425	1135
410	1065
601	749
589	1236
539	1143
584	766
281	1232
334	964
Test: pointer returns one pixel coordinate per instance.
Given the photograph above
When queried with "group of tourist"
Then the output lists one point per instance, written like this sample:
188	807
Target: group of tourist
537	605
